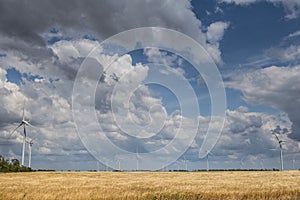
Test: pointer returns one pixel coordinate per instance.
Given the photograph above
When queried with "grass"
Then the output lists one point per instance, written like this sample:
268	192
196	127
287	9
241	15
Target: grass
151	185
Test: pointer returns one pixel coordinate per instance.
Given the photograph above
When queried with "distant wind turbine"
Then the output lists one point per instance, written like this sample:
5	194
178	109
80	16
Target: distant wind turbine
207	161
185	161
119	165
137	159
23	123
262	163
241	163
280	146
293	164
186	165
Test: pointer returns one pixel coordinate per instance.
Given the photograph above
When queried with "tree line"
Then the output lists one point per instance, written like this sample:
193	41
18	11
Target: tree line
12	165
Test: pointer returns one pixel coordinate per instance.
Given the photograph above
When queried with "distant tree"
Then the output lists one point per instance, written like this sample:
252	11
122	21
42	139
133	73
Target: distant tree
4	164
12	166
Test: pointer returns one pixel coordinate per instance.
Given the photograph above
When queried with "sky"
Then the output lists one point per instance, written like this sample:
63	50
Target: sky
151	84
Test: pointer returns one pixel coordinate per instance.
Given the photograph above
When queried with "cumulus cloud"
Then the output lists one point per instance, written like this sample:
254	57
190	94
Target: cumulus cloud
48	105
215	31
274	86
28	32
246	138
45	43
154	55
249	133
46	89
2	77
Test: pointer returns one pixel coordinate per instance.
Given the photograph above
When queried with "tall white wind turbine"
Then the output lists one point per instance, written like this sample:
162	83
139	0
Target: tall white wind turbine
280	146
23	123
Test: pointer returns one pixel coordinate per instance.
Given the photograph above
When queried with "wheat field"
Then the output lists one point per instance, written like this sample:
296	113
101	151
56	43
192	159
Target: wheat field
151	185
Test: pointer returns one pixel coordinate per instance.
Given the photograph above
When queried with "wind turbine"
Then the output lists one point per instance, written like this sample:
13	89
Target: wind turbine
23	123
280	146
137	159
241	163
293	164
30	143
119	165
185	161
207	162
262	164
186	165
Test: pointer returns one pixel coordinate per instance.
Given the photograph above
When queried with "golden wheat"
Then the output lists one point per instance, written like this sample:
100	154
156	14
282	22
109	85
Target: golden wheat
150	185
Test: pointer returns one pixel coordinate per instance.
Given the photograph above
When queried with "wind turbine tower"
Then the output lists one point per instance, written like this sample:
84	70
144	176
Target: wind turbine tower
30	143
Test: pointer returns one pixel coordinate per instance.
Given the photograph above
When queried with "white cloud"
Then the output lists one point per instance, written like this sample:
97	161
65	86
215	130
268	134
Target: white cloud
48	98
68	50
2	77
240	1
288	54
97	19
48	105
295	34
291	7
168	59
248	134
277	87
215	31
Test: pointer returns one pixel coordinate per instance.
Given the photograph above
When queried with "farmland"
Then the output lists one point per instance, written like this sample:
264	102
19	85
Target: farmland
151	185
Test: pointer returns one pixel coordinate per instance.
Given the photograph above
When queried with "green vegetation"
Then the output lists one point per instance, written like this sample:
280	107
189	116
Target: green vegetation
12	165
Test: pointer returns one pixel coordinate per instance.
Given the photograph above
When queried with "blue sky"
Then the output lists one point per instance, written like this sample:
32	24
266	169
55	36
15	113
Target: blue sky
253	28
254	44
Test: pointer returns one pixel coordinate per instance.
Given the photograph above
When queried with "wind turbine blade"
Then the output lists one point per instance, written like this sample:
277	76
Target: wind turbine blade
28	124
15	129
24	131
276	137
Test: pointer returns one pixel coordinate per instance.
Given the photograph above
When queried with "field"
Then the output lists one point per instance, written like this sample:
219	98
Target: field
151	185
